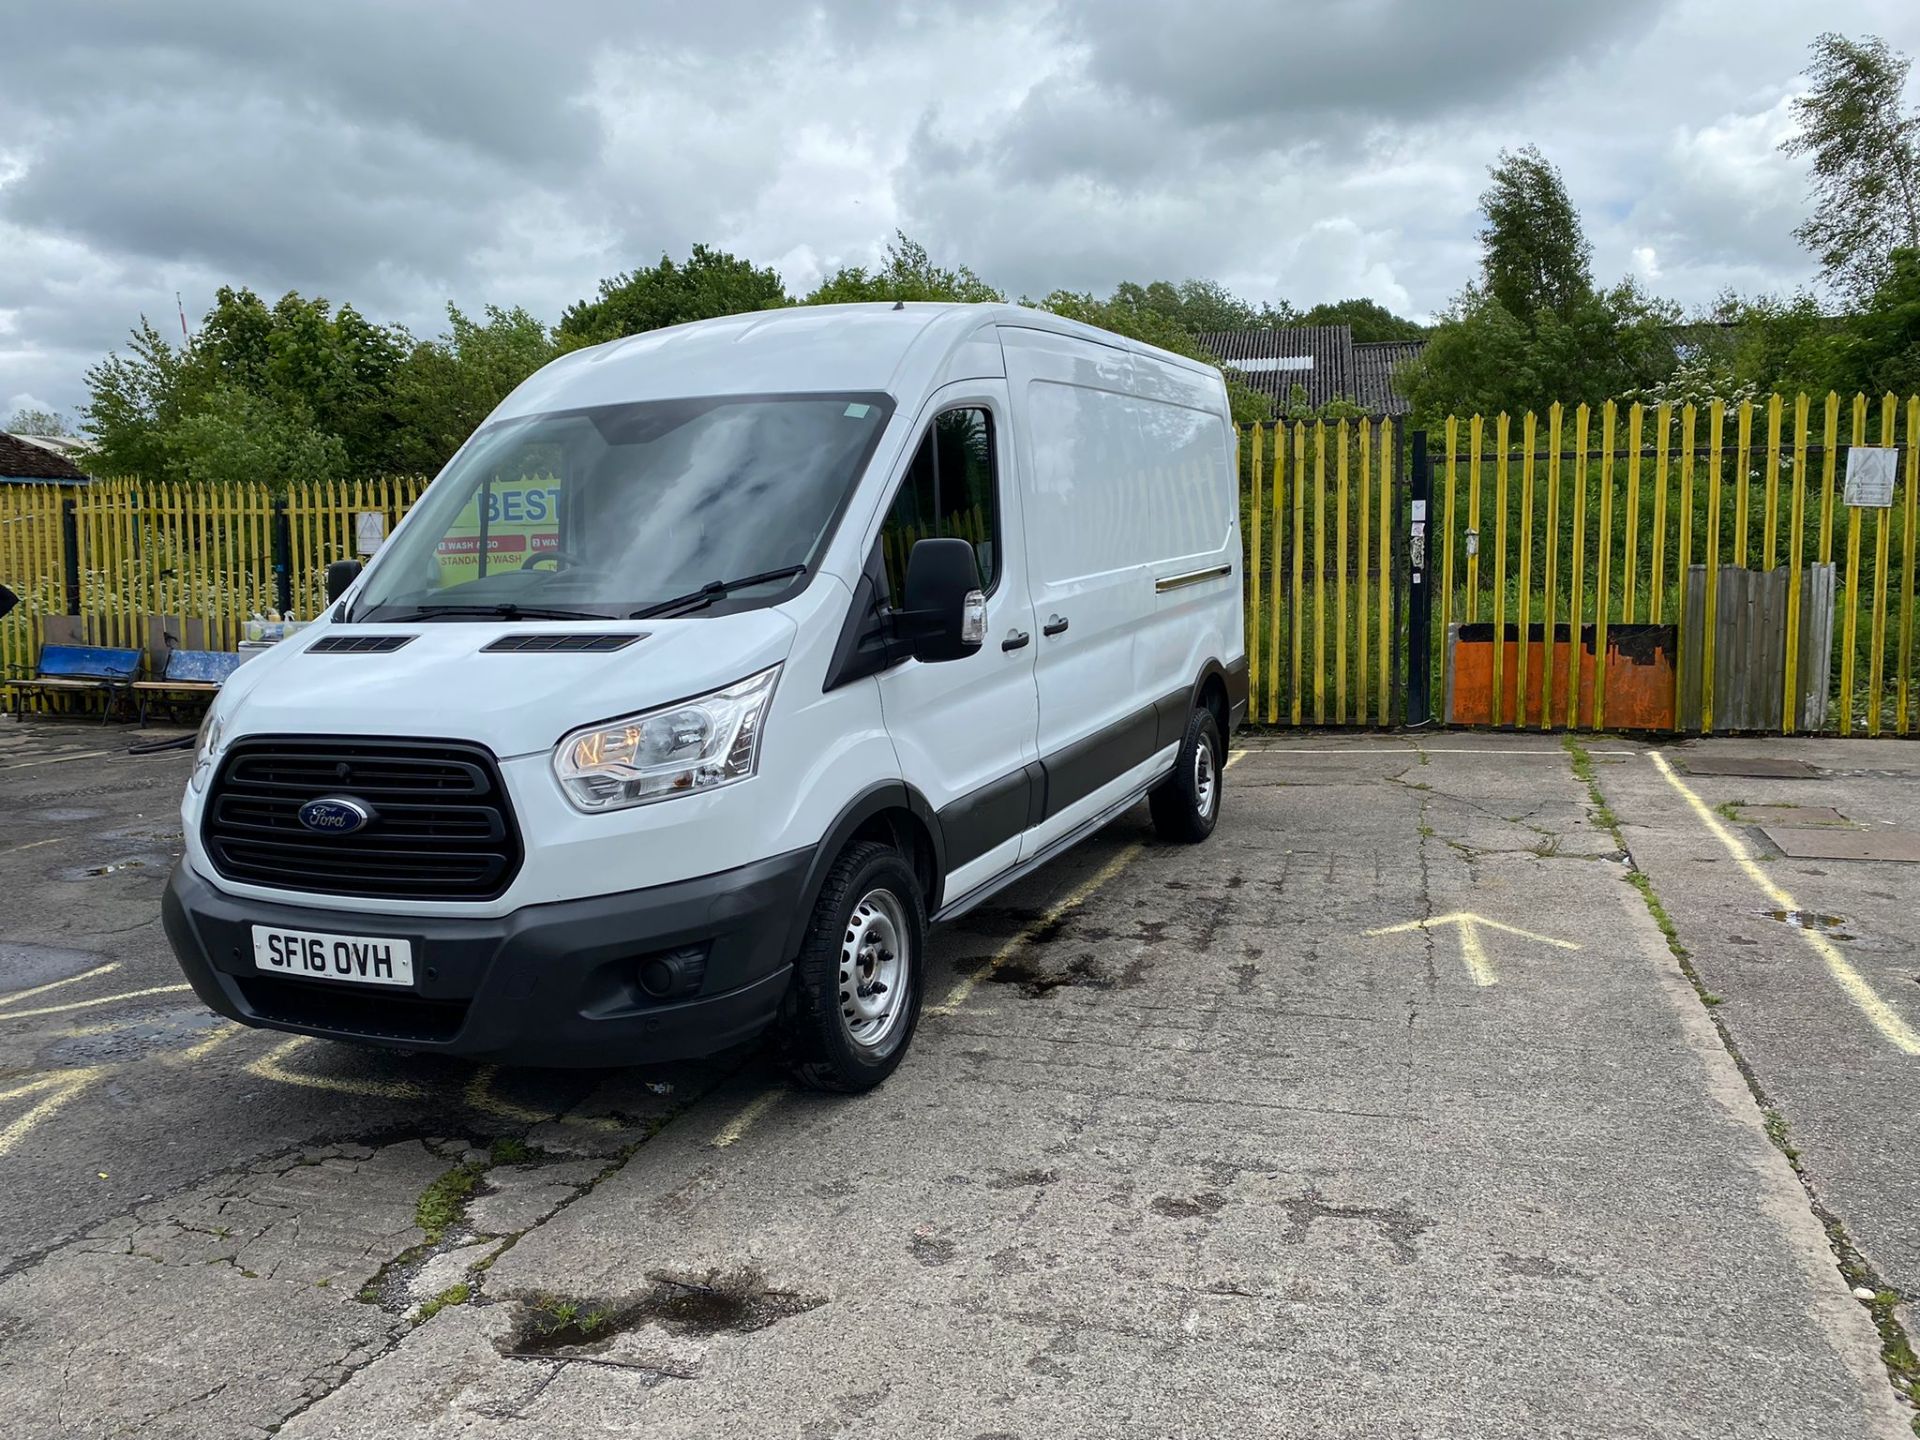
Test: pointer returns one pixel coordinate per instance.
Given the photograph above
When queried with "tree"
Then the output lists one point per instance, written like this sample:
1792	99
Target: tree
1865	152
448	386
242	435
1877	349
908	274
32	421
1369	320
1534	255
710	283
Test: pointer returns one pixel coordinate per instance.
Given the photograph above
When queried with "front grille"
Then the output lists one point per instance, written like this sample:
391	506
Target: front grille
358	644
383	1014
574	643
442	828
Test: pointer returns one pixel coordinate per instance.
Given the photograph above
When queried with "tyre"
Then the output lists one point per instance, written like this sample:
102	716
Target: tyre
1187	803
857	982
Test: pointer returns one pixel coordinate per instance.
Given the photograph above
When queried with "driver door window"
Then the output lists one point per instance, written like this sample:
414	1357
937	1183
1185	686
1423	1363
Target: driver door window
948	492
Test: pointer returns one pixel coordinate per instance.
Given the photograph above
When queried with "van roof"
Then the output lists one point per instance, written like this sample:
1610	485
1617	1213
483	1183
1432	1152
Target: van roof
900	349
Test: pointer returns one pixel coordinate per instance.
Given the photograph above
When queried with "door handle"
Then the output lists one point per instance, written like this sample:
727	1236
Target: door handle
1016	639
1055	624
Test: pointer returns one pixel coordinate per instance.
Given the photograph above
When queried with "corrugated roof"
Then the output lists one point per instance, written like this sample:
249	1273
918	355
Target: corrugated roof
22	460
1325	348
1374	364
1325	363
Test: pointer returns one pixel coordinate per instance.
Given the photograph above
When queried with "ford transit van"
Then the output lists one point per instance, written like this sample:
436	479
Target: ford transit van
717	665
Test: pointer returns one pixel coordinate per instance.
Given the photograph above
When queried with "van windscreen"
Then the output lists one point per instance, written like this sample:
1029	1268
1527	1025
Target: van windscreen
607	511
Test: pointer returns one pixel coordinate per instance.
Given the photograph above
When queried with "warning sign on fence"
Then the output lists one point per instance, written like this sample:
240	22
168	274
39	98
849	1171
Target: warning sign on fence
1870	472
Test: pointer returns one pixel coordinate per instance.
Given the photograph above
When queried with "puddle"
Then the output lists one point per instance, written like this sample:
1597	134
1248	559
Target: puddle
64	815
155	865
1836	927
23	966
732	1302
170	1031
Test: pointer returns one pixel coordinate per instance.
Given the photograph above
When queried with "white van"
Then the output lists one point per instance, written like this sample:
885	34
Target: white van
717	665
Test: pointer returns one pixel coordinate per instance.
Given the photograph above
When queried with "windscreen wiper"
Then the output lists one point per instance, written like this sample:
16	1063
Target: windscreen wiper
712	591
505	610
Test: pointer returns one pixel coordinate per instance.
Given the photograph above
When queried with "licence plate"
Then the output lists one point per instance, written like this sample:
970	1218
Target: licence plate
362	959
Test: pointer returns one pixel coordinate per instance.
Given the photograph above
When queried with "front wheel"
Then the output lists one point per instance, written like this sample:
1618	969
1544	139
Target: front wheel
856	988
1187	803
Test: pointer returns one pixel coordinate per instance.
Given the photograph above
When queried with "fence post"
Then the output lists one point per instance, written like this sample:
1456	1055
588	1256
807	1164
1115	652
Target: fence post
70	538
1419	608
282	553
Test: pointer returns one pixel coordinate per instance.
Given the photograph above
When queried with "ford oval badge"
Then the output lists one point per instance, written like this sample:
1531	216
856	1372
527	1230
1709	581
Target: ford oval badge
336	815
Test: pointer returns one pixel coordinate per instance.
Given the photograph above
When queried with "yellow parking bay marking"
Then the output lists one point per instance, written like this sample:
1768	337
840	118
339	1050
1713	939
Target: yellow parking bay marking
34	844
1885	1019
55	760
111	965
65	1084
271	1066
744	1119
1473	951
1075	898
84	1004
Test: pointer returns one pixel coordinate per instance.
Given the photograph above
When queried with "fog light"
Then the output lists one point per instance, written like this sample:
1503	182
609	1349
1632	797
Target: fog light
674	974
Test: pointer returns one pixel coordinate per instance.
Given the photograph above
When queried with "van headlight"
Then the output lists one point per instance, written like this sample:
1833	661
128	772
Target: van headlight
679	749
206	747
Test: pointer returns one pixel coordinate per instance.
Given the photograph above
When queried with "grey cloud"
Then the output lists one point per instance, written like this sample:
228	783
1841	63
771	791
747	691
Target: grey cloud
1217	62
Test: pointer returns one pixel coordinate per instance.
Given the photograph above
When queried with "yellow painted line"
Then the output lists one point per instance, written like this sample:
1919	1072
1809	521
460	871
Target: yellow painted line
230	1031
56	760
1898	1033
84	1004
270	1067
56	984
1473	952
1075	898
34	845
66	1086
743	1121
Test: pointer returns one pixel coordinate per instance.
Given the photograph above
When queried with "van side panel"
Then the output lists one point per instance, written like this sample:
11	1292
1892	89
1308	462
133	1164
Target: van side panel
1132	557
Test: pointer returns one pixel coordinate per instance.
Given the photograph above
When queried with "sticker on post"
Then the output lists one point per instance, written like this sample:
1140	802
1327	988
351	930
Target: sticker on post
1870	474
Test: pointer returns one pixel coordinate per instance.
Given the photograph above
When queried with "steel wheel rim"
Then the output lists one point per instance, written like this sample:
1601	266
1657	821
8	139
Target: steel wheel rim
1206	780
876	961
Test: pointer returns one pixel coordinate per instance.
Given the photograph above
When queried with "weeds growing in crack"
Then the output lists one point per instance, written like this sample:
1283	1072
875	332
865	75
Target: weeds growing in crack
1896	1349
443	1204
453	1295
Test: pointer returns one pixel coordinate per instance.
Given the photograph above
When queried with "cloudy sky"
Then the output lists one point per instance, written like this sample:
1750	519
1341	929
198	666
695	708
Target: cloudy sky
403	154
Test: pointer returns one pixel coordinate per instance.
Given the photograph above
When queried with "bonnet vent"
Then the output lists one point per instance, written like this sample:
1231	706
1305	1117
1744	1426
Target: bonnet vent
357	644
574	643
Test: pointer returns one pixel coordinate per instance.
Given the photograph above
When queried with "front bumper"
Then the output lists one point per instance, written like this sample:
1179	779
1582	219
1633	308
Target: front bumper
544	985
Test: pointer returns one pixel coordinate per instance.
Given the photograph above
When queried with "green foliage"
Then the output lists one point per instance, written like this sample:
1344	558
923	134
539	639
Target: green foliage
37	422
1877	349
448	386
296	388
1533	252
908	274
1369	320
708	284
1199	307
1865	155
1482	359
238	435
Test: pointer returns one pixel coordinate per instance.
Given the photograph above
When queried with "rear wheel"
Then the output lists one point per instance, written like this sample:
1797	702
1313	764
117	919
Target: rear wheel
1187	803
856	990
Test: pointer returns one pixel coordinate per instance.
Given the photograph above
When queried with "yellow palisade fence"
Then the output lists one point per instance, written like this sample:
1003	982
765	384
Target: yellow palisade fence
194	552
1755	486
1321	511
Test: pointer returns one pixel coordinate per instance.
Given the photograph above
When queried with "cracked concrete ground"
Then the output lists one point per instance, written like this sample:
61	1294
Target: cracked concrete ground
1278	1135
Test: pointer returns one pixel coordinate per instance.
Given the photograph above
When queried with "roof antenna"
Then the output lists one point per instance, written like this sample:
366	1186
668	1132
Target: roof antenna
899	304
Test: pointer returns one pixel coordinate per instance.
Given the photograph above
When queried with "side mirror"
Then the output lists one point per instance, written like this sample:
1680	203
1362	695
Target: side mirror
945	613
341	574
